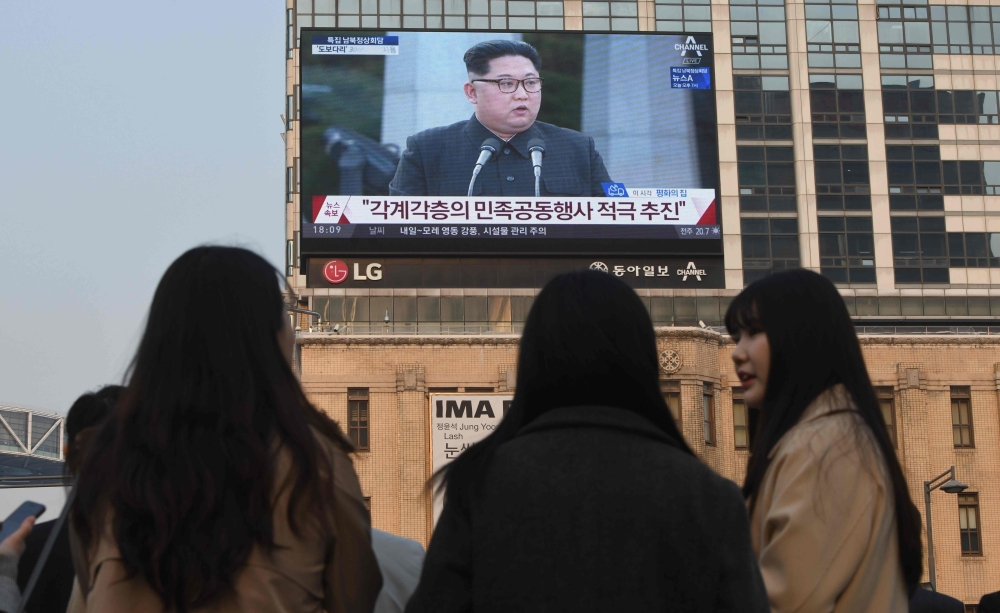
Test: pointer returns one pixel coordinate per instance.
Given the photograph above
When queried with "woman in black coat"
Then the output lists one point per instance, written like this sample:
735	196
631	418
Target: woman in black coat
586	497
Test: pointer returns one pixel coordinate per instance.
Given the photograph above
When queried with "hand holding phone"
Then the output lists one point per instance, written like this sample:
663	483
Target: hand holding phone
14	521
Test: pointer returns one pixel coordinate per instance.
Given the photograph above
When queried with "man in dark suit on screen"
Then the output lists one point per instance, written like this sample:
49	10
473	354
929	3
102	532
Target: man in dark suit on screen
506	89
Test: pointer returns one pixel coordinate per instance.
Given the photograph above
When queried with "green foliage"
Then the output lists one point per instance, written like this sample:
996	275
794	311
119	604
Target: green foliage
345	92
562	69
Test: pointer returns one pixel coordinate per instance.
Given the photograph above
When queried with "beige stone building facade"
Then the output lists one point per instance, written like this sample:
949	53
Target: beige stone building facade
924	380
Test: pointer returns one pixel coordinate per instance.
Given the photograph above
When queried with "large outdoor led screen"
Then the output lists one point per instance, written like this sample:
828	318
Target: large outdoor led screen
503	143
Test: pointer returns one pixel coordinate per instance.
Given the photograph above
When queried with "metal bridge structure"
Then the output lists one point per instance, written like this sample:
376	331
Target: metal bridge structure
31	447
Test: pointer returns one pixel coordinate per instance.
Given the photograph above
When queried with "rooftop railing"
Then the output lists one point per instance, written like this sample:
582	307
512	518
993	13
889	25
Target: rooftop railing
494	328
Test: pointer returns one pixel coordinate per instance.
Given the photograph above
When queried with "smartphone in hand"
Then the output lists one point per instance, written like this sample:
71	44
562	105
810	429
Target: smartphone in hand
13	521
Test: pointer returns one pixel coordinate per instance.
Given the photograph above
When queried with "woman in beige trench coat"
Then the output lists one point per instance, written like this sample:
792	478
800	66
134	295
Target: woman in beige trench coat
831	521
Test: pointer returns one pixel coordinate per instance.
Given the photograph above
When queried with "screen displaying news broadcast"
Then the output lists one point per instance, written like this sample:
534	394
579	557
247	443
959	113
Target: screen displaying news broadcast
505	142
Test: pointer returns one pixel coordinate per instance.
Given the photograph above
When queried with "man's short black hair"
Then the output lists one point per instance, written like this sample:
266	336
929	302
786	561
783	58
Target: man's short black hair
478	58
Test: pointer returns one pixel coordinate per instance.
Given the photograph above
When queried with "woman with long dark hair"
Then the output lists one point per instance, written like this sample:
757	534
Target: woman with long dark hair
586	497
831	517
215	485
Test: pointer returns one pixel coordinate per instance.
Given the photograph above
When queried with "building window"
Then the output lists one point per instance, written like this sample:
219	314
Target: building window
964	177
914	170
769	245
968	523
971	608
842	177
838	105
973	249
672	396
683	16
918	249
708	405
602	15
924	175
442	390
357	417
909	106
741	421
847	249
832	34
967	107
763	108
887	404
758	34
368	503
951	29
479	390
904	44
766	179
961	417
906	36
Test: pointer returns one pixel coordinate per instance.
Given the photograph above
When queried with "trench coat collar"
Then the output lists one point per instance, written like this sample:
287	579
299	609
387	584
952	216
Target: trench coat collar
477	133
835	398
598	417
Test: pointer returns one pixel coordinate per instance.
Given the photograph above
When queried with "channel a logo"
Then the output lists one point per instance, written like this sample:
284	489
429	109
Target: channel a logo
694	48
335	272
691	271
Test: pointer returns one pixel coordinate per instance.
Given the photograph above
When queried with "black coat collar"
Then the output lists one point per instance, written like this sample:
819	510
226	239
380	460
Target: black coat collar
598	417
477	133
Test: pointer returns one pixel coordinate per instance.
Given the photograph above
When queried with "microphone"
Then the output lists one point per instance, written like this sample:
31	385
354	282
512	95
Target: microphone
536	147
486	151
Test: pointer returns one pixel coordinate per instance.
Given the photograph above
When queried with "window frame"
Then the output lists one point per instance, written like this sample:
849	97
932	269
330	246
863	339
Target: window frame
359	417
672	389
961	394
778	234
851	235
886	392
971	503
769	91
924	233
846	122
738	401
708	410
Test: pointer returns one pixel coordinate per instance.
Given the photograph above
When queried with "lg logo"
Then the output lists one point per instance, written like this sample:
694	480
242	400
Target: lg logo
373	272
336	272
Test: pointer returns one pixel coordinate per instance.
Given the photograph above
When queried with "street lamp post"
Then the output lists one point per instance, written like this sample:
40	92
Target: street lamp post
951	486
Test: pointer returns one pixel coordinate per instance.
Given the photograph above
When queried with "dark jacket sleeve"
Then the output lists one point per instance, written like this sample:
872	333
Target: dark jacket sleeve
741	587
446	580
409	179
598	173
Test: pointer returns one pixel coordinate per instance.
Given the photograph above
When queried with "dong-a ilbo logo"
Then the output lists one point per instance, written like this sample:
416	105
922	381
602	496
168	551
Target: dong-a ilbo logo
335	272
691	50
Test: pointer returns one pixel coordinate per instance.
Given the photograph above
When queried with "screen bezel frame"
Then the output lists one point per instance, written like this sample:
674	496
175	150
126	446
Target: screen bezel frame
533	247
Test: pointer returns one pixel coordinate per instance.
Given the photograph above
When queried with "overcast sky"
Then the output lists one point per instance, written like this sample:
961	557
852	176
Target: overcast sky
129	132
